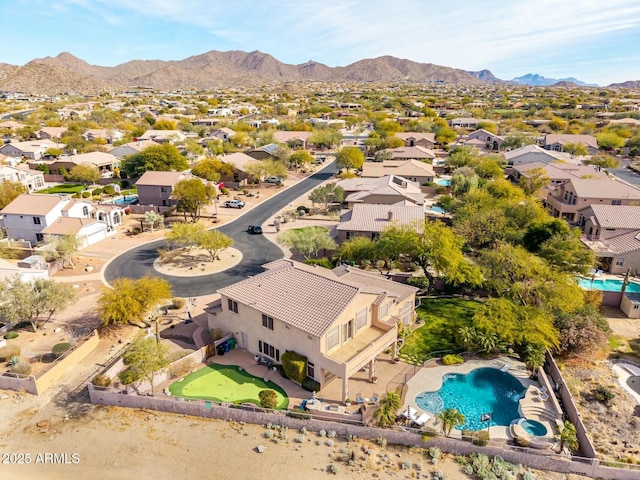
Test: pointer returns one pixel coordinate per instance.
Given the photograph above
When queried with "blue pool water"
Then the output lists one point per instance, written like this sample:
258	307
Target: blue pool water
436	209
483	390
126	200
533	427
609	285
444	182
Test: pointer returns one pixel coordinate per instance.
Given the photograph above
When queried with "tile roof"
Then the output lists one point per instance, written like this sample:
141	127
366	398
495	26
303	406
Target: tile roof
33	204
374	282
617	216
153	178
431	137
562	171
415	152
310	299
284	136
564	138
66	225
563	156
604	189
625	243
375	218
239	160
403	168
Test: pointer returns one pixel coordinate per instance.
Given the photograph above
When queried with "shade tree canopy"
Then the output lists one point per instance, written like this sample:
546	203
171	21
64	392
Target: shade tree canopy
164	158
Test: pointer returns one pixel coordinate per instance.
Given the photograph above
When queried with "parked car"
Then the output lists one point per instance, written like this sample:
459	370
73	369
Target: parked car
254	229
234	204
276	180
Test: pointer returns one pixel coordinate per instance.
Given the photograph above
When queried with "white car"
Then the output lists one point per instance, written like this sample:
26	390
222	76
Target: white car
276	180
234	204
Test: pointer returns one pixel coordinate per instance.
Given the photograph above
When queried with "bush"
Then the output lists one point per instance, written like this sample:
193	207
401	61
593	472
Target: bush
129	376
604	394
109	190
295	366
216	334
60	349
11	335
481	438
310	385
86	194
178	303
21	368
322	262
124	183
101	380
97	191
452	359
9	351
268	398
224	191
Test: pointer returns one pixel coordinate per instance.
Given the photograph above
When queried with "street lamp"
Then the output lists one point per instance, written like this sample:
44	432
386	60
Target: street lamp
486	417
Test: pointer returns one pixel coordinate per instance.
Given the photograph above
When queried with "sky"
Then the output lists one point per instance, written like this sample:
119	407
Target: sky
594	41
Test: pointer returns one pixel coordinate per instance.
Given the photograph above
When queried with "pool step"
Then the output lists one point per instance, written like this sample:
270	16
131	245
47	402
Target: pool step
544	413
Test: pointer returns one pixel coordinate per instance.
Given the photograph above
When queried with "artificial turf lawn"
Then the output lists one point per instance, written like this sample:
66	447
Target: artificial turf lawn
225	383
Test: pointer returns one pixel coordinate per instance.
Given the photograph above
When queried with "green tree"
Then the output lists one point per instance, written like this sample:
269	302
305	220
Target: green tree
31	301
300	158
146	356
575	149
535	180
308	241
350	158
53	152
327	194
63	247
539	232
274	168
165	124
85	174
534	357
568	437
9	191
445	135
385	414
609	141
153	218
604	161
163	158
129	301
358	249
325	138
214	242
450	418
567	253
516	140
184	234
212	169
192	194
582	332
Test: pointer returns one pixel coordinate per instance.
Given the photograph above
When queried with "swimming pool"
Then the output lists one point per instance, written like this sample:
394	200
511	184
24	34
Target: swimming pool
533	427
436	209
608	284
483	390
126	200
443	182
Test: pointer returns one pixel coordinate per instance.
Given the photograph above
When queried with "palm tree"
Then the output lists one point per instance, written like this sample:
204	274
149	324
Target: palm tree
487	341
468	336
568	437
534	357
451	418
386	413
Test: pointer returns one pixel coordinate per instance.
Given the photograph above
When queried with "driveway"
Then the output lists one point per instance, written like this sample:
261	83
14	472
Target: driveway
256	249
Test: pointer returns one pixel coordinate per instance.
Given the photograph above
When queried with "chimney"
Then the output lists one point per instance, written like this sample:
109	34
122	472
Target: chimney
390	215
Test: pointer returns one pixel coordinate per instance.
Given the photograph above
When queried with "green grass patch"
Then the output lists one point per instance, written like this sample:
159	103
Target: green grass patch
226	383
442	317
69	188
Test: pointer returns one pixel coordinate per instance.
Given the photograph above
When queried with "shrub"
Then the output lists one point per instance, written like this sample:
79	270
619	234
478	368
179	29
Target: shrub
97	191
224	191
11	335
382	441
101	380
86	194
604	394
216	334
333	468
129	376
295	366
452	359
60	349
310	385
268	398
124	183
109	190
178	303
21	368
434	453
481	438
322	262
9	351
14	361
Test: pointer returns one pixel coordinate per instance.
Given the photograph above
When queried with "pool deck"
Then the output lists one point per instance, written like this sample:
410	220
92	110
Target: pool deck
429	379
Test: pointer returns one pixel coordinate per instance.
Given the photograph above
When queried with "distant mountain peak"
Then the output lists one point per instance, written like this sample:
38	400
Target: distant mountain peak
535	79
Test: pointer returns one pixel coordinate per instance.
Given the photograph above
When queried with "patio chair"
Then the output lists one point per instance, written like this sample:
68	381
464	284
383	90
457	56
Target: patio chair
374	399
359	399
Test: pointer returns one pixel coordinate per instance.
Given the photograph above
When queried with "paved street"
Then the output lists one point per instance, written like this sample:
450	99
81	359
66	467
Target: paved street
256	249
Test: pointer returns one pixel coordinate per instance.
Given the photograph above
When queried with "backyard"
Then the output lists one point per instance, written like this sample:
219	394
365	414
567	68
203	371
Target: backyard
442	318
67	188
226	383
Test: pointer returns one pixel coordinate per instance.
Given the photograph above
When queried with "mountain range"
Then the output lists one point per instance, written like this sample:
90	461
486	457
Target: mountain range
538	80
66	73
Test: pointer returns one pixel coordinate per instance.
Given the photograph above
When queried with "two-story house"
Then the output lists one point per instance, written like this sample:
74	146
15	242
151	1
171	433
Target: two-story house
386	190
367	220
31	179
413	170
557	141
534	153
487	140
340	319
33	149
417	139
156	188
568	198
613	233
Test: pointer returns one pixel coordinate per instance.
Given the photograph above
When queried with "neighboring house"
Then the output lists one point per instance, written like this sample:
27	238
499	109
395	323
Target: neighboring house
409	153
366	220
33	149
223	134
240	163
554	141
156	188
131	148
109	136
417	139
340	319
385	190
612	232
31	179
205	122
534	153
470	123
568	198
265	152
51	133
11	125
488	140
163	136
413	170
558	172
104	162
29	217
296	140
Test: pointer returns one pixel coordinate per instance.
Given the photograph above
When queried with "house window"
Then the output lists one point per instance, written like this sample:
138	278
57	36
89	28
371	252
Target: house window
269	350
333	338
85	211
165	189
267	322
636	307
39	237
311	370
616	202
347	331
619	262
233	305
36	221
361	319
